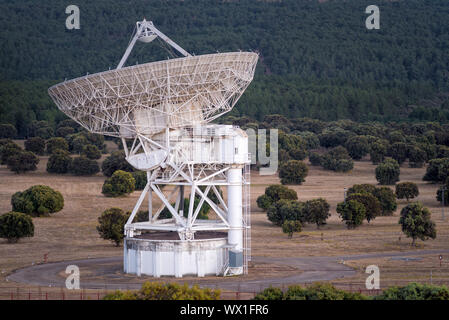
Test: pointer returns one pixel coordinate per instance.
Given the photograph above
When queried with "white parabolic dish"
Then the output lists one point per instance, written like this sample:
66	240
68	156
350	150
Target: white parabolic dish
145	99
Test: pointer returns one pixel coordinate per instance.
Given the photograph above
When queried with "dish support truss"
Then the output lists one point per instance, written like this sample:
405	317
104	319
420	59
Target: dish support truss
189	166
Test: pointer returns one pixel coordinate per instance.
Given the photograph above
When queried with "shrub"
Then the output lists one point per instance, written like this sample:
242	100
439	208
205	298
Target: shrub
16	225
278	192
316	211
95	139
417	157
358	147
317	291
416	223
59	162
9	149
141	179
77	142
64	131
387	200
7	131
437	171
37	200
116	161
69	123
429	149
277	120
293	172
291	226
111	225
57	144
315	159
387	173
378	152
396	136
339	153
385	196
82	166
264	202
166	291
370	202
310	139
275	193
283	156
91	151
337	159
362	188
298	153
286	210
270	293
352	212
398	151
343	165
22	161
335	136
408	190
40	129
44	133
415	291
120	183
35	145
320	291
443	152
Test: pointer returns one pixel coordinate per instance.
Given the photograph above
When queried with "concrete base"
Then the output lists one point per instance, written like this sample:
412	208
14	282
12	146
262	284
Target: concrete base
174	257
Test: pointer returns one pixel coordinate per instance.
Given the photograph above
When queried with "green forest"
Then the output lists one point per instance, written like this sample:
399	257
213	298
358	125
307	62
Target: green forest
317	59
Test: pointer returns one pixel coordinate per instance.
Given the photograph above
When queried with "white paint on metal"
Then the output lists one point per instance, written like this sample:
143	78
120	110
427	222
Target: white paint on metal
235	233
162	112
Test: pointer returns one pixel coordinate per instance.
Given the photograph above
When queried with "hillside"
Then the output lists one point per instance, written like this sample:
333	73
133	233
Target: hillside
317	59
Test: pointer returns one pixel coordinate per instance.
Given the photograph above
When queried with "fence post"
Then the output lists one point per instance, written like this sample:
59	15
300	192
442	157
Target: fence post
46	295
12	295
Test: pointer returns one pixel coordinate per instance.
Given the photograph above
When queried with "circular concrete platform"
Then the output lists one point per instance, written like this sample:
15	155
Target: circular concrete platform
164	254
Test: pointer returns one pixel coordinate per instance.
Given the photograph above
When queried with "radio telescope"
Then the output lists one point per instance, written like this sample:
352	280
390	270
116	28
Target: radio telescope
162	112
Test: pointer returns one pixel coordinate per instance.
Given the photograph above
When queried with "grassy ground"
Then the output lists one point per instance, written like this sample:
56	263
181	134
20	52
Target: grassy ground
71	234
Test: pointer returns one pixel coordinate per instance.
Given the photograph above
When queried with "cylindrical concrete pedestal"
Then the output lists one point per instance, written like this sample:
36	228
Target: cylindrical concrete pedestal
178	258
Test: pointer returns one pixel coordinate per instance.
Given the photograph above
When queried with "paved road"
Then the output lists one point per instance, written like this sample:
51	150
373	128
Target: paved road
109	270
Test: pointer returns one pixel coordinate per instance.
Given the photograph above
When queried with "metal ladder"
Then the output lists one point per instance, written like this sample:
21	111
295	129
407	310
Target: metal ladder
246	216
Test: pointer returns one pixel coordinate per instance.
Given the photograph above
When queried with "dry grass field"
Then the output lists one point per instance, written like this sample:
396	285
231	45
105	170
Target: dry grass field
71	234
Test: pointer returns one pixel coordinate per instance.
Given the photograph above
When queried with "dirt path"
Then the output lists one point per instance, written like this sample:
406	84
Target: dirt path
105	273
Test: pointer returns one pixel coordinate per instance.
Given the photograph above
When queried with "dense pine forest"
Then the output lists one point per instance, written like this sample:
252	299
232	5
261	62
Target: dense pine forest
317	59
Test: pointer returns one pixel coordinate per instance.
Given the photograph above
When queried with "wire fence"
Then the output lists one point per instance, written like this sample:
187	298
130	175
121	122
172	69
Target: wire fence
45	294
36	294
16	293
